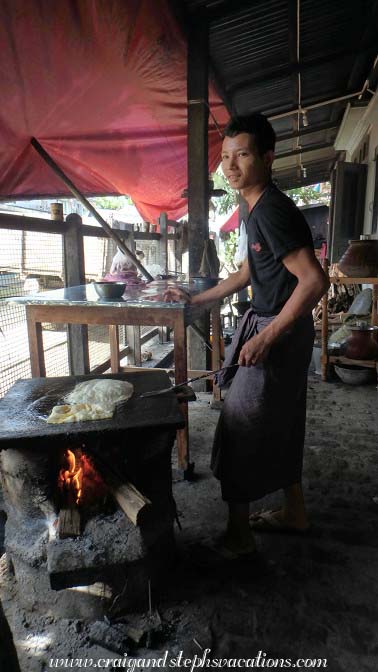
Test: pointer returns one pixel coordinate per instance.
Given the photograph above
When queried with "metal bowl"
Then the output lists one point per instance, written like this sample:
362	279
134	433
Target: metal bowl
202	283
355	375
110	290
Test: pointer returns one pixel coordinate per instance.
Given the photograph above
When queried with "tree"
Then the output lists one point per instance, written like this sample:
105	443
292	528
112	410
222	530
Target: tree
309	195
229	201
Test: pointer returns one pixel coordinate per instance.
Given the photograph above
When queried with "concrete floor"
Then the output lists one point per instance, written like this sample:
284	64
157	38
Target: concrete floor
313	597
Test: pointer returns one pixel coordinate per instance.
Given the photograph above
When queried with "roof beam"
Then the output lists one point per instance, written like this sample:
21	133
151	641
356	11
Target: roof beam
303	181
307	131
302	150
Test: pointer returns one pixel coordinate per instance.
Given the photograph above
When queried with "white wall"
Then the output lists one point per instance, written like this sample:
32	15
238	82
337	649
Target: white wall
350	138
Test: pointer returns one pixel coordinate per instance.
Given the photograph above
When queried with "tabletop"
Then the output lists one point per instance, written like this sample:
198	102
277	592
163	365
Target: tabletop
151	295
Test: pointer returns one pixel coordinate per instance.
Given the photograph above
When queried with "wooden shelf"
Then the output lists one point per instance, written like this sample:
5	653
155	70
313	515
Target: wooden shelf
368	363
325	323
352	281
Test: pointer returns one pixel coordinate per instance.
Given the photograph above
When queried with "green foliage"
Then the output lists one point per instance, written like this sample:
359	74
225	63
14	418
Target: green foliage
111	202
308	196
225	203
230	246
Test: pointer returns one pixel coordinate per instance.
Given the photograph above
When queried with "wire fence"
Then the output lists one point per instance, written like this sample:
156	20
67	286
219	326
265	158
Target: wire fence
31	262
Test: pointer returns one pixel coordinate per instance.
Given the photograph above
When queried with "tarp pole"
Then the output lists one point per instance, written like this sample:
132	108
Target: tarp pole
80	197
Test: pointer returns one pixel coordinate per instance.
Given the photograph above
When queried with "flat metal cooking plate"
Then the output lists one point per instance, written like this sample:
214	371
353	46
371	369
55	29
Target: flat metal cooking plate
24	410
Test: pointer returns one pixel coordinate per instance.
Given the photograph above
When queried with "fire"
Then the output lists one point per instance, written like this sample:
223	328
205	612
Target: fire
78	479
70	477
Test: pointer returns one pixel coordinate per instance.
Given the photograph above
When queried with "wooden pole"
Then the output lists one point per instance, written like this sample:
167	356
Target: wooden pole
324	356
198	176
74	273
80	197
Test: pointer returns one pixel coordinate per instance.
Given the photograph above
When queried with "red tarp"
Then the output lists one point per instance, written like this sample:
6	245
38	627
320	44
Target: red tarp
101	84
231	223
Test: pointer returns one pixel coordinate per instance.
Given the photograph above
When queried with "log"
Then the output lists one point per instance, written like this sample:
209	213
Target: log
69	523
128	498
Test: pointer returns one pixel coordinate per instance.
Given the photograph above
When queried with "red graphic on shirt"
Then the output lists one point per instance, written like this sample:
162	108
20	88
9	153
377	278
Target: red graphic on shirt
256	247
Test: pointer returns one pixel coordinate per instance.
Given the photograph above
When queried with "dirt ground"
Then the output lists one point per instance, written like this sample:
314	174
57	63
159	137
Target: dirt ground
311	597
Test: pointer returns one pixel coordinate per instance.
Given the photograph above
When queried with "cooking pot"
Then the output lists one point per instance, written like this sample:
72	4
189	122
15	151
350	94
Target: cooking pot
361	344
360	259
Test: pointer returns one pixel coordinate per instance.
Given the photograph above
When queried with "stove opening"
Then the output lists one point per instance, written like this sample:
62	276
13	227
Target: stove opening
81	491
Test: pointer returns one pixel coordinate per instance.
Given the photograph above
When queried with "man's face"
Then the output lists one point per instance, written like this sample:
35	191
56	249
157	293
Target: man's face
242	164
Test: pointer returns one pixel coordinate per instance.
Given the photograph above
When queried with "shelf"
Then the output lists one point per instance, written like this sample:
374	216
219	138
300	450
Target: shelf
353	281
367	363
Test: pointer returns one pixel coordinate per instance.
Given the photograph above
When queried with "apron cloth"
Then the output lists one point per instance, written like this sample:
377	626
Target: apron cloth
258	444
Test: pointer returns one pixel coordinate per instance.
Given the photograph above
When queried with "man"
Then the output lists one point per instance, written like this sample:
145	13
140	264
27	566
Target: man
258	446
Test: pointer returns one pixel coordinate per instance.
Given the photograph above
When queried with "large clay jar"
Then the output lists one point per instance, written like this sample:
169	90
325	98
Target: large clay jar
361	344
360	259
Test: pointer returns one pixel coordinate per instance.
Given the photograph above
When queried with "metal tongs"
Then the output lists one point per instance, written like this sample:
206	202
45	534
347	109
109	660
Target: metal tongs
173	388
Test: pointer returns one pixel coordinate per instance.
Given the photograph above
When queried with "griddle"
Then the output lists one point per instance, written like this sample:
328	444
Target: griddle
24	409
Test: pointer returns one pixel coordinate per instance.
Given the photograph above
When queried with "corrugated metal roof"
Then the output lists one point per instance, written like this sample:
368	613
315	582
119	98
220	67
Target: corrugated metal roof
253	49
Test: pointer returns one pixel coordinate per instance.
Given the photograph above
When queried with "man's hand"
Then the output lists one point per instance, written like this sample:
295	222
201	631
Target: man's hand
177	295
255	350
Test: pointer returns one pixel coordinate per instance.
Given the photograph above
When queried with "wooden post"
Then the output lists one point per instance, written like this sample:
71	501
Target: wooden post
133	341
37	358
198	172
181	374
216	354
324	356
114	348
74	270
163	243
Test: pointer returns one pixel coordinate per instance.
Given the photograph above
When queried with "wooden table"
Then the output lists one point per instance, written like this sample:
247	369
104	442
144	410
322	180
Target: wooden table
81	305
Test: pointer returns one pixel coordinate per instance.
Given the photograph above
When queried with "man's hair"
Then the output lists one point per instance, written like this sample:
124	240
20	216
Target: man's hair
255	124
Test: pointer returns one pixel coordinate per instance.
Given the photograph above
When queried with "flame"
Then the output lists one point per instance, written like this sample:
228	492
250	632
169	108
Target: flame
78	479
71	477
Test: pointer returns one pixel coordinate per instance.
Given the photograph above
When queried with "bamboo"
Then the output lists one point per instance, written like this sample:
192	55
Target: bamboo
80	197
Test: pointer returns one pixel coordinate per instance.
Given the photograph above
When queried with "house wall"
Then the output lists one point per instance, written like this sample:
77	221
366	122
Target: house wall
366	128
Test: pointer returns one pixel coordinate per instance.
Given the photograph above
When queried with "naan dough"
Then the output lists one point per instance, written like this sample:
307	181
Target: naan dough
91	400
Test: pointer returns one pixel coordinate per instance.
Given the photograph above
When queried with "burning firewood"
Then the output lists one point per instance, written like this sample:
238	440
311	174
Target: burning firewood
69	523
128	498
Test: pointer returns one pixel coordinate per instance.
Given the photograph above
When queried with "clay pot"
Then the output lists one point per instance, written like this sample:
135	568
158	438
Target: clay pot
360	259
361	344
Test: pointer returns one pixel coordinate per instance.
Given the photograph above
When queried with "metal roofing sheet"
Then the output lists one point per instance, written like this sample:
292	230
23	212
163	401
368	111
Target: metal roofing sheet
253	50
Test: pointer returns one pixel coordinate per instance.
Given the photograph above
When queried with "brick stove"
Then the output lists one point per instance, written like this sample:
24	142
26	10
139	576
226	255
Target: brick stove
77	569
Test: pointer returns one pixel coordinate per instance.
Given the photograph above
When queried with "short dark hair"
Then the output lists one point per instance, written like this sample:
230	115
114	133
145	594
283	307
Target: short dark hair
255	124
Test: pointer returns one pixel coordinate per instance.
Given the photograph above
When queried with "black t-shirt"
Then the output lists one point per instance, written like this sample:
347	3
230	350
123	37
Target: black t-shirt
275	227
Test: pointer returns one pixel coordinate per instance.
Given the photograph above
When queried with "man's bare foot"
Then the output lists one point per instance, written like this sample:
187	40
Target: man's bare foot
278	521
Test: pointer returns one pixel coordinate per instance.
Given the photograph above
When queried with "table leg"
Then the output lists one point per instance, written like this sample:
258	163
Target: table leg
133	340
181	374
216	345
114	348
37	355
324	355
